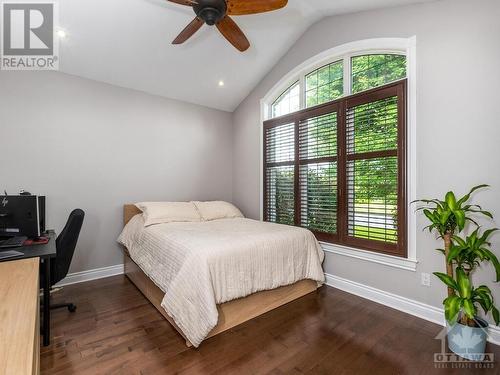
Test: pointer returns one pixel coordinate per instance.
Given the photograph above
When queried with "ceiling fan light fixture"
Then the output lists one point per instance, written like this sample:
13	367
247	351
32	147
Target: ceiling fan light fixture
210	11
209	15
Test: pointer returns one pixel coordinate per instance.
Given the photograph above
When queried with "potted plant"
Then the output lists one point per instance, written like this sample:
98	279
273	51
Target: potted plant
467	333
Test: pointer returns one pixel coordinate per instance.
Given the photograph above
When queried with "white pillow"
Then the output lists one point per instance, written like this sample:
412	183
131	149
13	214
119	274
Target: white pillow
217	210
167	212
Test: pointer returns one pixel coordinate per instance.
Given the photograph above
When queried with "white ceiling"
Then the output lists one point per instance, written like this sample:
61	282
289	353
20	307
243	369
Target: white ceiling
127	43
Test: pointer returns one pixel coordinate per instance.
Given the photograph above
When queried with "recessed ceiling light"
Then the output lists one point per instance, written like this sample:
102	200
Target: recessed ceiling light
221	83
61	34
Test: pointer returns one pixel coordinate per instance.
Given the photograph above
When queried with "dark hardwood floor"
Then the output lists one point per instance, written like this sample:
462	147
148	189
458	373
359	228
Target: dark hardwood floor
115	330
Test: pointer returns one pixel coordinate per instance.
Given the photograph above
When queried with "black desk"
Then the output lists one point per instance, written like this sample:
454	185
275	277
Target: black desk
45	252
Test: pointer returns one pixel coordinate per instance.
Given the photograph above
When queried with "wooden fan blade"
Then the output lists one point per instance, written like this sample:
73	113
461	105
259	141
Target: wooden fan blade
241	7
189	30
233	33
189	3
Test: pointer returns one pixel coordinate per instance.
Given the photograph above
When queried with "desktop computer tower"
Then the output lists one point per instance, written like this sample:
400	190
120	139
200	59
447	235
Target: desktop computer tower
22	215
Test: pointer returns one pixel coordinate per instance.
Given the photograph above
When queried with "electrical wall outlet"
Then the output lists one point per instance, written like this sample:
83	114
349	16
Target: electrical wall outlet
426	279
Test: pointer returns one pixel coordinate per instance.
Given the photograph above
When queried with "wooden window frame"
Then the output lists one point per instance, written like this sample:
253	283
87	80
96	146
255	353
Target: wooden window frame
397	88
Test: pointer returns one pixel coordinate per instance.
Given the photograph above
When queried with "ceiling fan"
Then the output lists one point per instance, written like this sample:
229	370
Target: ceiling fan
217	12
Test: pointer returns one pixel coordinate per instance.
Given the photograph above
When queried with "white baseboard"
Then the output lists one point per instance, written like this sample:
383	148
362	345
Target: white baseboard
98	273
419	309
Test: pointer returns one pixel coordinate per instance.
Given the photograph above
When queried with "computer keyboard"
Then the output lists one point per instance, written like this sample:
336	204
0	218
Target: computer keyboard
13	242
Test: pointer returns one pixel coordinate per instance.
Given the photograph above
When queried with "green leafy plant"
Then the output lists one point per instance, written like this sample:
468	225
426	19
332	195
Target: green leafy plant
449	214
463	255
466	298
449	217
470	252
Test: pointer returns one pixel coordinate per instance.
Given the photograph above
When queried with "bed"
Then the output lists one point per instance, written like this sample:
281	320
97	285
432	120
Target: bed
178	268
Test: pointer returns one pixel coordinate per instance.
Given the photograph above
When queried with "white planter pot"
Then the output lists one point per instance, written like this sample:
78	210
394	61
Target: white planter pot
468	342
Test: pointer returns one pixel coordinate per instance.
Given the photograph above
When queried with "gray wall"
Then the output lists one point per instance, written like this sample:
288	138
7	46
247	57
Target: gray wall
94	146
458	120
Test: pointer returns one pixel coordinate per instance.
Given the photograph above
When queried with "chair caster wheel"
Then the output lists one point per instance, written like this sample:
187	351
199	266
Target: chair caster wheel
71	308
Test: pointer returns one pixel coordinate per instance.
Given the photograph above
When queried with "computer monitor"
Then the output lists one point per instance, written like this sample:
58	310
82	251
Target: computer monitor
22	215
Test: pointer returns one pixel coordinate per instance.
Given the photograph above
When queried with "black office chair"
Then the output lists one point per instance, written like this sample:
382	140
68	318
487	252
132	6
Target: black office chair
65	248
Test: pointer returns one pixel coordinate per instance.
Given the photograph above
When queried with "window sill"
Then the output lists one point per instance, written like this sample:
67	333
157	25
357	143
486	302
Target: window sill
387	260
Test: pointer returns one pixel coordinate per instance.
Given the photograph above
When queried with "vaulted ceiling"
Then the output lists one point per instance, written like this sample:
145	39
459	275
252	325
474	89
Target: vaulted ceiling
128	43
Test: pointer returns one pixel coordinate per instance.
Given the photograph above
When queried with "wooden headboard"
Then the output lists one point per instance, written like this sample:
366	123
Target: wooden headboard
129	211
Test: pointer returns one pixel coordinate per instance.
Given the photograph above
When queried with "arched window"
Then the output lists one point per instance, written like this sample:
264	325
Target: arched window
288	101
335	150
369	71
324	84
329	82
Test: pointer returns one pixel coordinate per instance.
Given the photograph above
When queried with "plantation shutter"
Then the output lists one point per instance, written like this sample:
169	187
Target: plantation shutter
338	169
318	173
280	174
375	211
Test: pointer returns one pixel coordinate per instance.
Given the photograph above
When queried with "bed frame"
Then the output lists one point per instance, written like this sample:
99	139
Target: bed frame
231	313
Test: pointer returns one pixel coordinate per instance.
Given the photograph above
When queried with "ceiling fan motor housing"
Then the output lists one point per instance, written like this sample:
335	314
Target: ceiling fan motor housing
210	11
